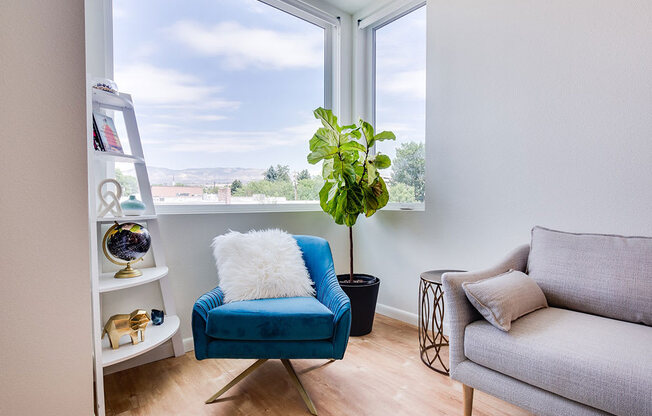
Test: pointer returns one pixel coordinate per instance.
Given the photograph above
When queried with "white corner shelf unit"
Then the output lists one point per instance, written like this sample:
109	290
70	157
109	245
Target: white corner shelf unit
108	283
100	166
154	336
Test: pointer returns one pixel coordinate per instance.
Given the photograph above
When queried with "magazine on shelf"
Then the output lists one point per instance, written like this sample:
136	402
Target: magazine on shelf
97	141
107	132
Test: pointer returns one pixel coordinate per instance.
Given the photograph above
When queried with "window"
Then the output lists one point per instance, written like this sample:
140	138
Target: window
224	92
400	100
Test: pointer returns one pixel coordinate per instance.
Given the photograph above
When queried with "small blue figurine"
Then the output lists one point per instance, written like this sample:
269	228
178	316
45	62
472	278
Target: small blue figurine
157	317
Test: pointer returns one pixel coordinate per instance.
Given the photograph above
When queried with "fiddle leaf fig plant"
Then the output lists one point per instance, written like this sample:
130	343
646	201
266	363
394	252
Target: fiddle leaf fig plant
350	169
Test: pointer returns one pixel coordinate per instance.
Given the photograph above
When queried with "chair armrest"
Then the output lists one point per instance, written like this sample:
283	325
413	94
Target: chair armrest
203	306
209	301
459	310
319	262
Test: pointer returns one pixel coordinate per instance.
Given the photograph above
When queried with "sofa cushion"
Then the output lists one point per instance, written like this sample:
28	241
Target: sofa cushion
504	298
604	275
280	319
598	361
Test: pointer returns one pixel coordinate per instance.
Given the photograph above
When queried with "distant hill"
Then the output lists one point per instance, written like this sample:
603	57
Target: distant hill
202	176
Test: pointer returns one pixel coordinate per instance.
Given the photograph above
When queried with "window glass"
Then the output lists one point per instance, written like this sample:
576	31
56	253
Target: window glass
224	92
401	102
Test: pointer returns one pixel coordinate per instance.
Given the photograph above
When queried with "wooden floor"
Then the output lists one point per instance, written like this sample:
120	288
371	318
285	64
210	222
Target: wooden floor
381	374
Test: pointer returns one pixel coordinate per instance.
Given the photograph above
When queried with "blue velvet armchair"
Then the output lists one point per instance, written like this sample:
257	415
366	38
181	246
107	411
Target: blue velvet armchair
280	328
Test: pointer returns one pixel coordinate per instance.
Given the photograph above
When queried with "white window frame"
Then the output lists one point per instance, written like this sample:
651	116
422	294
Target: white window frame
368	22
334	96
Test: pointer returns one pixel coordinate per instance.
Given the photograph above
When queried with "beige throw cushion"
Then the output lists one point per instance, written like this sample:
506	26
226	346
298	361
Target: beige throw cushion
504	298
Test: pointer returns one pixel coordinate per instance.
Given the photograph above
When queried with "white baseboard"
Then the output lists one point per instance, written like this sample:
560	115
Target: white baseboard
401	315
188	344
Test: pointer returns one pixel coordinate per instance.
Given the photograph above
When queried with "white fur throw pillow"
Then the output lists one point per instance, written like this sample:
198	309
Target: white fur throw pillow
260	264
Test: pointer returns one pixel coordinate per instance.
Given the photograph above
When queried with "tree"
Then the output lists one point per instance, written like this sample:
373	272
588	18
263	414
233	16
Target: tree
304	174
127	182
410	167
280	173
267	188
308	189
400	192
270	174
235	185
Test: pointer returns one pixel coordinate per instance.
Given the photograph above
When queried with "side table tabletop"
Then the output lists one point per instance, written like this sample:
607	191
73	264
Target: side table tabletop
431	320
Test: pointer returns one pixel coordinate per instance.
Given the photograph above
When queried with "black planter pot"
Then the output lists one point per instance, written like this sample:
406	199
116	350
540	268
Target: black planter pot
363	297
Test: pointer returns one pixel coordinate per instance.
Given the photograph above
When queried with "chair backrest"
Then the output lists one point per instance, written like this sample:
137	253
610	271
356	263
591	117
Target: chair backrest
316	254
605	275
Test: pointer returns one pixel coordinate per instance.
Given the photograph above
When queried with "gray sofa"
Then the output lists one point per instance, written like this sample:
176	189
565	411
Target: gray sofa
589	353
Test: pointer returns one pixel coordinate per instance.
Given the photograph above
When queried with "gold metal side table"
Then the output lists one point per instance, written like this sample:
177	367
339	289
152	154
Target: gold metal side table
431	321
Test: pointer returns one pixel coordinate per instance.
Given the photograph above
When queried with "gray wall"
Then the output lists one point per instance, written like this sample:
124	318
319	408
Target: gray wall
538	113
45	358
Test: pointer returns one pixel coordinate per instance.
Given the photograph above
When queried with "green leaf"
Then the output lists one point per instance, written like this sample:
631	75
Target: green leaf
353	146
343	169
370	200
323	137
327	119
384	135
380	190
382	161
372	173
349	205
376	197
316	142
368	132
320	153
326	194
327	169
349	127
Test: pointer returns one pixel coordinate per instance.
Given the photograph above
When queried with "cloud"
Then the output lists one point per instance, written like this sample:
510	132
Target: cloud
154	85
216	141
172	95
243	47
411	83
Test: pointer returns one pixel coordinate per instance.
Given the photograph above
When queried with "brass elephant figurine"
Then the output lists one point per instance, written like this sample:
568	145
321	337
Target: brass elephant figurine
131	324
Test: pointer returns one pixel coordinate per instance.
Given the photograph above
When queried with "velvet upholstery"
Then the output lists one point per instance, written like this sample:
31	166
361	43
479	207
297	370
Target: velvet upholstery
281	319
319	261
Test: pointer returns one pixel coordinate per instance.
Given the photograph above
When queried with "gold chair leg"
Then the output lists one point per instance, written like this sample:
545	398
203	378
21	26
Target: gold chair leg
468	400
297	383
236	380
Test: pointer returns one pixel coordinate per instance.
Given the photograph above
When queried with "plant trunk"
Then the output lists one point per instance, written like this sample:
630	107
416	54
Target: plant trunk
350	254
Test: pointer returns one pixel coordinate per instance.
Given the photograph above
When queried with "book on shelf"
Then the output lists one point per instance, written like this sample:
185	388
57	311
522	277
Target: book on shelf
97	141
107	132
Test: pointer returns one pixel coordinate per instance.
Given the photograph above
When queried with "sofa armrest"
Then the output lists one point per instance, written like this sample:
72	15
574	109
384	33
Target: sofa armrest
459	310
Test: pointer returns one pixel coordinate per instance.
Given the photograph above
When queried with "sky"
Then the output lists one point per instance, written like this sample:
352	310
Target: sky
233	83
401	79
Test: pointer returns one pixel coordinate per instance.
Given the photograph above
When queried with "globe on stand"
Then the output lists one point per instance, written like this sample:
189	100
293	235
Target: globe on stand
128	242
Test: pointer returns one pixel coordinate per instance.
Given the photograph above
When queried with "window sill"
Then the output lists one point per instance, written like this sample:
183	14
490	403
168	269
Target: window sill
264	208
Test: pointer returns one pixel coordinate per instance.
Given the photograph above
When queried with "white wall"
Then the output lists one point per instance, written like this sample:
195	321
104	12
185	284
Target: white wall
538	113
192	267
45	346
